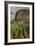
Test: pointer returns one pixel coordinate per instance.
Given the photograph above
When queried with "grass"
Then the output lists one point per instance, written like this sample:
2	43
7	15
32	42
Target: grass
20	30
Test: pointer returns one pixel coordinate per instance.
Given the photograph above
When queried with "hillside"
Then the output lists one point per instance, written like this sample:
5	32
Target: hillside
20	25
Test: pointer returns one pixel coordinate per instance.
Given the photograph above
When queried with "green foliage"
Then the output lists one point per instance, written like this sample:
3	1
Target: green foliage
20	30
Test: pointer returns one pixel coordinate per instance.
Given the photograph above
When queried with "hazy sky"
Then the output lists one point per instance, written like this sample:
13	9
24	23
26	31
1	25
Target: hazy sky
12	13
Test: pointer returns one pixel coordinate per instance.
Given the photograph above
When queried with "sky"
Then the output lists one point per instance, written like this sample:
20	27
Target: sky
12	13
